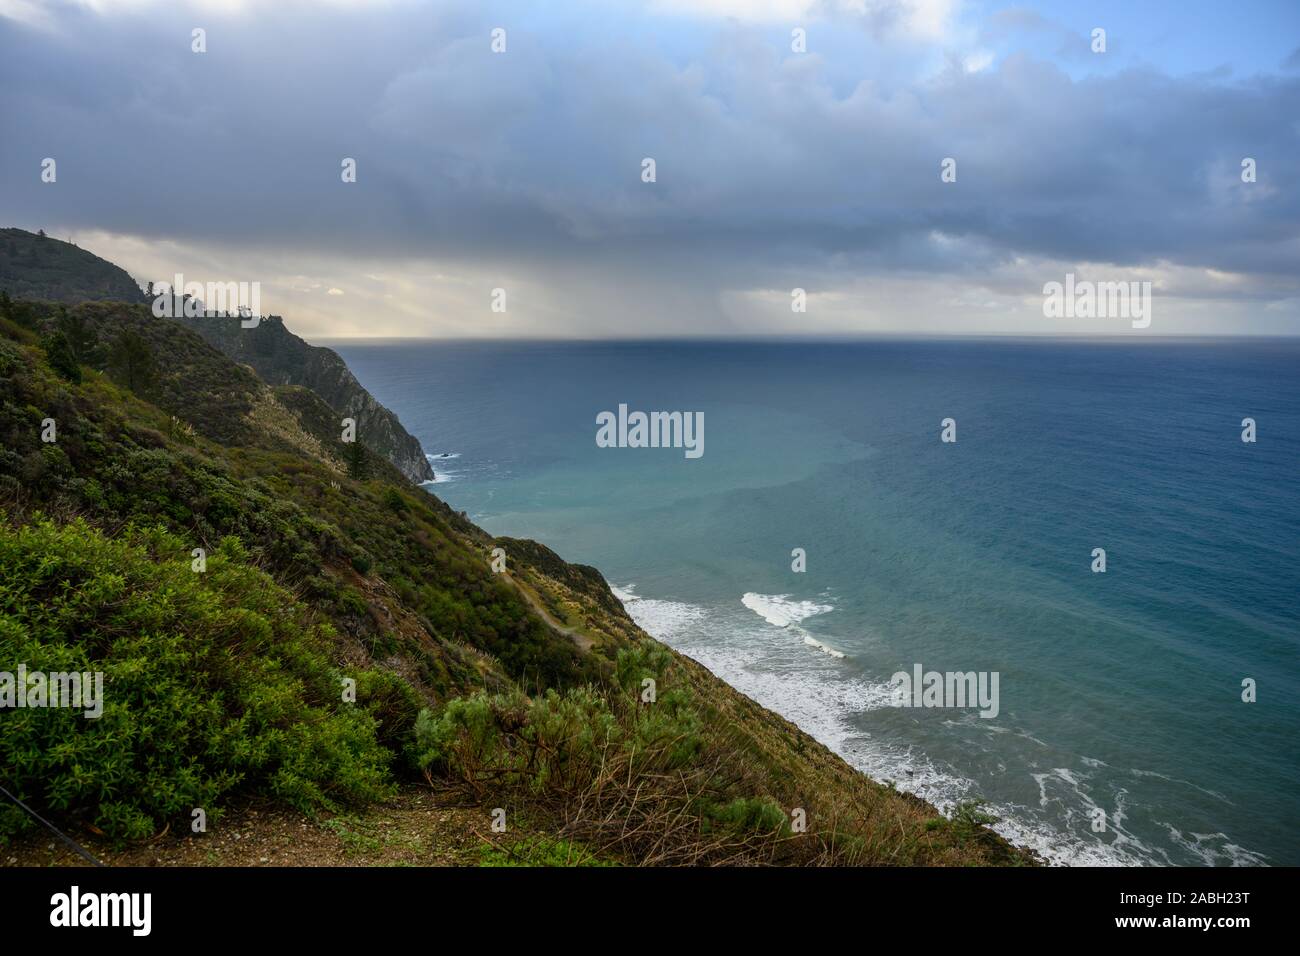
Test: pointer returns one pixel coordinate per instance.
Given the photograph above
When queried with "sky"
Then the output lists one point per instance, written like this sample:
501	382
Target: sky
775	168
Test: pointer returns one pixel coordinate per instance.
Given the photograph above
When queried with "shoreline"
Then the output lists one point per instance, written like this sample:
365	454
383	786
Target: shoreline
821	720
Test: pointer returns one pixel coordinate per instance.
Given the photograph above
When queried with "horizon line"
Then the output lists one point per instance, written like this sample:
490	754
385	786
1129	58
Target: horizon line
813	337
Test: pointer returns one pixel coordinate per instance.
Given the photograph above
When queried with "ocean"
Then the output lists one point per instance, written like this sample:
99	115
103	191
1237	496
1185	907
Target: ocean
1121	736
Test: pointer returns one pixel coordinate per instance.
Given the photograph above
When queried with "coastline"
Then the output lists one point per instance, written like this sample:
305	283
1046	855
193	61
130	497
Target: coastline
818	713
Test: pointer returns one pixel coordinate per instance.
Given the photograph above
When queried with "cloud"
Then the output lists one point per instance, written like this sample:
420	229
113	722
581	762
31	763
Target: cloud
923	19
478	170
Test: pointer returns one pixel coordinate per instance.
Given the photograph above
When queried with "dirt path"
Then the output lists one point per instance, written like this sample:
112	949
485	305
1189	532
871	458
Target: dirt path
584	643
417	828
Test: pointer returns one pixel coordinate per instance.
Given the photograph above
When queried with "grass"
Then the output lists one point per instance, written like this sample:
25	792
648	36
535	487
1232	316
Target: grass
540	851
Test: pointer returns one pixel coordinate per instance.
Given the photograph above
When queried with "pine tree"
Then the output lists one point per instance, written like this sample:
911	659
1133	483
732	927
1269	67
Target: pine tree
81	337
131	362
62	359
358	461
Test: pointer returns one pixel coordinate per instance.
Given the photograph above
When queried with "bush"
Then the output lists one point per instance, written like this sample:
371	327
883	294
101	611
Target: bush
540	851
465	738
560	737
132	364
749	815
623	774
61	356
638	662
559	742
211	682
394	501
393	704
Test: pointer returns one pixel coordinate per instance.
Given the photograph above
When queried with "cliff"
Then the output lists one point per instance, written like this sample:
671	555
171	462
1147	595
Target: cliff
281	358
278	624
43	268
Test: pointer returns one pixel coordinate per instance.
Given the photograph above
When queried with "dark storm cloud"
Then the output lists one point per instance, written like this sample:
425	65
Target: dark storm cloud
765	165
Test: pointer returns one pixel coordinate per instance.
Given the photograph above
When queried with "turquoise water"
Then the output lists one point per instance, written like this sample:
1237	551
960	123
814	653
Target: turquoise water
1119	692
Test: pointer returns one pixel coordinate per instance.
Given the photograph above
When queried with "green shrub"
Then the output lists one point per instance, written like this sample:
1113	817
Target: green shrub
132	364
749	815
211	682
465	737
393	704
971	822
541	851
558	742
638	662
352	601
61	356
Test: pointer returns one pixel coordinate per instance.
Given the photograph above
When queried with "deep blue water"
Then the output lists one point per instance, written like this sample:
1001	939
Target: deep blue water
1119	691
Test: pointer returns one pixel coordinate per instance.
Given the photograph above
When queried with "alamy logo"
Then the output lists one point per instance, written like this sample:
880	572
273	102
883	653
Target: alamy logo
1098	300
181	299
54	689
651	430
948	689
103	909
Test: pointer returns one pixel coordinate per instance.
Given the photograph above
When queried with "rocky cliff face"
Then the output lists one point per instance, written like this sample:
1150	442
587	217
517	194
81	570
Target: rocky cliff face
281	358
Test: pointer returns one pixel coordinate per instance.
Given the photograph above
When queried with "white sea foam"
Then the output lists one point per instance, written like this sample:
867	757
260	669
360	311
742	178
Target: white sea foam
821	706
669	621
440	475
824	648
1138	772
780	611
822	698
1214	848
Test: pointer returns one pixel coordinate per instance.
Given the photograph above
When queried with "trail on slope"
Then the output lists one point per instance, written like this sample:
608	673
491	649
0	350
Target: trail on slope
584	643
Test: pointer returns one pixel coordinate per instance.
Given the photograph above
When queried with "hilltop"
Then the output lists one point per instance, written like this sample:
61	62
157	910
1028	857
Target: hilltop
33	266
298	642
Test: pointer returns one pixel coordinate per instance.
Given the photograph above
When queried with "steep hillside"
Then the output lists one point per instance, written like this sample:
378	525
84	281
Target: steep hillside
42	268
39	267
281	358
185	376
345	642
